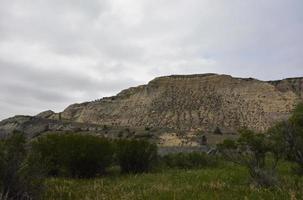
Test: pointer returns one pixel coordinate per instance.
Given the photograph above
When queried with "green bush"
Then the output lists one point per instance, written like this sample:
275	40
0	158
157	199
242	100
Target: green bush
289	135
258	152
136	156
218	131
189	160
20	174
74	155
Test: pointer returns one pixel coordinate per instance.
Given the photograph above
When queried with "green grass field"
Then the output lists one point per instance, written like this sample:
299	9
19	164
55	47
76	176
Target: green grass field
225	182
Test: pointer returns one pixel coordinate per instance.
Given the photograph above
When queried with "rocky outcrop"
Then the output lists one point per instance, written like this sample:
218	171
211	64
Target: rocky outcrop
34	126
193	102
31	126
46	114
290	84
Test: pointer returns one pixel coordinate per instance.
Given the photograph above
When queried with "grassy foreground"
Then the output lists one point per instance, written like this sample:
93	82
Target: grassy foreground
226	182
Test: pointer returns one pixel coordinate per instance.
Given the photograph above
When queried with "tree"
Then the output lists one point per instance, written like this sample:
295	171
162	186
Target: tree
255	152
289	135
20	174
136	156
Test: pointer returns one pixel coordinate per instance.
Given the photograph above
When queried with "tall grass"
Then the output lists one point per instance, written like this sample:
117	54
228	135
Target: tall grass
225	182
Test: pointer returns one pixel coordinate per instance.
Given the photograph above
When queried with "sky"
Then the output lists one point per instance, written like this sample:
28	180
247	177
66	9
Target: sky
57	52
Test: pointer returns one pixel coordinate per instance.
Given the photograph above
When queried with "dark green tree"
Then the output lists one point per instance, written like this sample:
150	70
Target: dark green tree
136	156
21	176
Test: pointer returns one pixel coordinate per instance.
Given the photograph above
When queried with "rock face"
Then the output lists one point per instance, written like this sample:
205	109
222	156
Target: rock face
290	84
188	102
33	126
45	114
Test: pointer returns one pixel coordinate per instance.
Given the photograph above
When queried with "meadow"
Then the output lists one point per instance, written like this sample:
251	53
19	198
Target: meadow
225	182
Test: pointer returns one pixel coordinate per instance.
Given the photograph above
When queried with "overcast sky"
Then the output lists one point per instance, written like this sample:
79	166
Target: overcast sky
57	52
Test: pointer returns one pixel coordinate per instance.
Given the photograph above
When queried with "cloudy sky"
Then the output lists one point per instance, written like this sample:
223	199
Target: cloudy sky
57	52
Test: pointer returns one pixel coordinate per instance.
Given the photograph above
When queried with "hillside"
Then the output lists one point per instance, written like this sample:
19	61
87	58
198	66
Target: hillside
173	110
189	102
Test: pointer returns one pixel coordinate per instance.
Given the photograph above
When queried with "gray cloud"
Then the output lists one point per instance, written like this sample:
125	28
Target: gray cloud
57	52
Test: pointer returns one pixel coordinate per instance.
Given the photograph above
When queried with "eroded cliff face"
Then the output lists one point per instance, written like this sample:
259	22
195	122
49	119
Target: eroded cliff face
290	84
192	102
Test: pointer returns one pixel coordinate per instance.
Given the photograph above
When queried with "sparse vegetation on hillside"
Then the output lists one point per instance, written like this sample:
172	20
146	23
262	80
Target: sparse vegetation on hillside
192	102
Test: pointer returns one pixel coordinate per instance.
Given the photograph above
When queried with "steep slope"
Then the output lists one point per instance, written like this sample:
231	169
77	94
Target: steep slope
191	102
290	84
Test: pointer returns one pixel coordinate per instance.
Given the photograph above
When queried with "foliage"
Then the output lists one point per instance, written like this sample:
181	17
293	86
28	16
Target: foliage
20	174
189	160
289	135
218	131
204	140
257	153
136	156
74	155
297	117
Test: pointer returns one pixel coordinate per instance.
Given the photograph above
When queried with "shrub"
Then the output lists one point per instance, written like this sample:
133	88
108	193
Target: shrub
105	127
136	156
289	135
189	160
203	140
257	152
218	131
20	174
74	155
